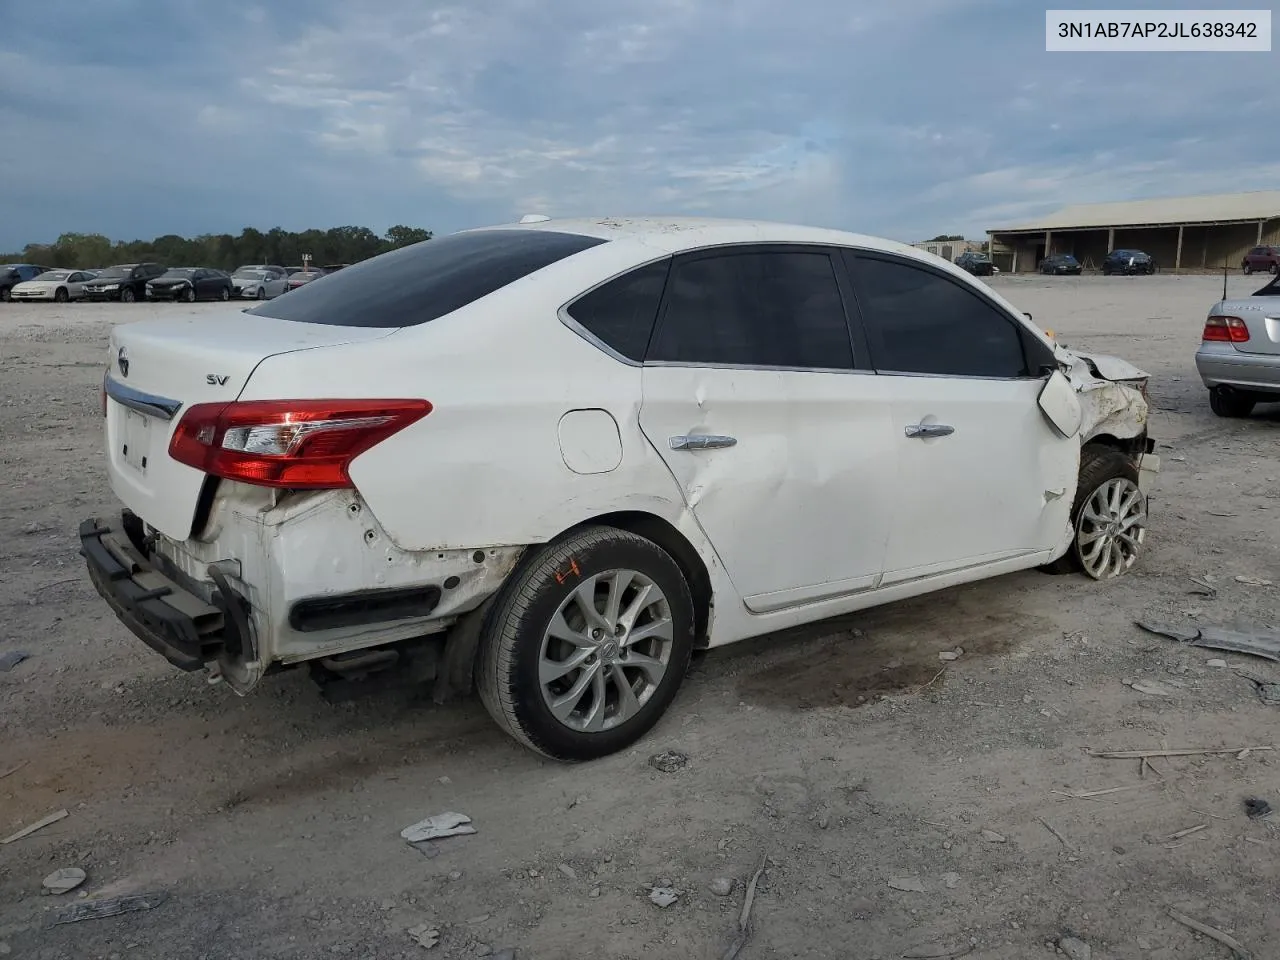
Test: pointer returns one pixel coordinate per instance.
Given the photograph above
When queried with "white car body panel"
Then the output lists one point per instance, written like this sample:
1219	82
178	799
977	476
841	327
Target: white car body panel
822	507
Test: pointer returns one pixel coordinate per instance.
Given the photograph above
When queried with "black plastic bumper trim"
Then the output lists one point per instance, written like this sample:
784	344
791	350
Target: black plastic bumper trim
362	608
165	629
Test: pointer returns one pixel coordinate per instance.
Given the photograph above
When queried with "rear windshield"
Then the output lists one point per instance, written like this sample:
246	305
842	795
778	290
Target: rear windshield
427	280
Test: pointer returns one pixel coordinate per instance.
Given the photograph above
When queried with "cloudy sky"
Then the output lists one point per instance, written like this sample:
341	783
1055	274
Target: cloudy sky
908	118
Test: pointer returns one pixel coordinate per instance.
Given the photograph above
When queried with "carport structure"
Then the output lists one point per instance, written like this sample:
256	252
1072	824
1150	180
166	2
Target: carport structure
1181	233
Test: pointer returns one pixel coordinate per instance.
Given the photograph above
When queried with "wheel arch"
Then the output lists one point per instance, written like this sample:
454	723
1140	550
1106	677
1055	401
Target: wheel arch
655	528
1133	446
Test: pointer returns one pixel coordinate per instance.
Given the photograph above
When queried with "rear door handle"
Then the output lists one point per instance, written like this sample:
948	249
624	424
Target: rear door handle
702	441
924	431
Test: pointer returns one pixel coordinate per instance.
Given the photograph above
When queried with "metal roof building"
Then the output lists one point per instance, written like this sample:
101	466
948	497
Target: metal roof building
1181	233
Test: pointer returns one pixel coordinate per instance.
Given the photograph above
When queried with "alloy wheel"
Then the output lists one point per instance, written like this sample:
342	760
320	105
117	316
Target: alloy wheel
1111	528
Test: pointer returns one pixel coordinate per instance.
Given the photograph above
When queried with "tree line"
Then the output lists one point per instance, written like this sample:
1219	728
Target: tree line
220	250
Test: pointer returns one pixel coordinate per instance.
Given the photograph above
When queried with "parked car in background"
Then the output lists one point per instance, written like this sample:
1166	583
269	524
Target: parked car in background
1060	264
125	282
56	285
1127	262
976	263
1239	355
270	521
1265	259
304	276
12	274
260	282
334	267
190	284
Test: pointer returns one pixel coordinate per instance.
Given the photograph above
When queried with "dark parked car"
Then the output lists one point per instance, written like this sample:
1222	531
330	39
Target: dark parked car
1128	261
1060	263
979	264
12	274
1261	258
125	282
190	284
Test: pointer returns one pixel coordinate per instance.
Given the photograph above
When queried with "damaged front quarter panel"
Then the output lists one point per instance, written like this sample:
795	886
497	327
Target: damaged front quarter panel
1112	394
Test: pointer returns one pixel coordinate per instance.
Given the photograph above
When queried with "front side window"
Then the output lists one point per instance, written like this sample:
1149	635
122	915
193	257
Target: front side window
621	313
919	321
772	309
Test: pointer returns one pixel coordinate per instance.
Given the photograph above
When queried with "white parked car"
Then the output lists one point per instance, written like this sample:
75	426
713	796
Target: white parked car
56	285
553	458
259	282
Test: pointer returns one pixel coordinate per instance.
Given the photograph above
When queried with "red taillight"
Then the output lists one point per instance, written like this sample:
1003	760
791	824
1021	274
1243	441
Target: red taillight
1226	330
301	444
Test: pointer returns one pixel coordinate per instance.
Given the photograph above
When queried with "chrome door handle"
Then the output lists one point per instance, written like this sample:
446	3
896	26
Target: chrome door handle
701	441
926	430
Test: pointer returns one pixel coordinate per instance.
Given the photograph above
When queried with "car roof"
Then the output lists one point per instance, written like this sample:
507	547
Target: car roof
675	234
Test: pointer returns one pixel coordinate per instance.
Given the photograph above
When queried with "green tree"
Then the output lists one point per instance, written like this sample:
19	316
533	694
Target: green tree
402	236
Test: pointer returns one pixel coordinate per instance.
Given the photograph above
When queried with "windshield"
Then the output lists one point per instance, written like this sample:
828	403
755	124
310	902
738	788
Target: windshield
55	275
179	273
117	271
251	273
978	256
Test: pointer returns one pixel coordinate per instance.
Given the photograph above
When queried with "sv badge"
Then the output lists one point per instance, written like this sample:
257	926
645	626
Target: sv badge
215	379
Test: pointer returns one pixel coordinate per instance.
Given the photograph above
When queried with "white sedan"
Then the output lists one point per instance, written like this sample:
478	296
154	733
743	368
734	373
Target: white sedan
254	283
56	285
550	459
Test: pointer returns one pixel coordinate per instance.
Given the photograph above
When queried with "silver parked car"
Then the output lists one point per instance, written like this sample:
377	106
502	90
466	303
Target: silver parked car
1239	355
259	281
56	285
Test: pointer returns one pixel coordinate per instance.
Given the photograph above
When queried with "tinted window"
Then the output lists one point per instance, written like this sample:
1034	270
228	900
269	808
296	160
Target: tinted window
424	281
621	312
926	323
755	309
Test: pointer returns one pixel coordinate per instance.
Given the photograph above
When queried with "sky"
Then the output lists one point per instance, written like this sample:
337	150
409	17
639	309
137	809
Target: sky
899	118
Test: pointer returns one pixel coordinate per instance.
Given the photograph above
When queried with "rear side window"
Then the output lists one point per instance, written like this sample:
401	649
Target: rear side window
766	309
620	313
922	322
424	281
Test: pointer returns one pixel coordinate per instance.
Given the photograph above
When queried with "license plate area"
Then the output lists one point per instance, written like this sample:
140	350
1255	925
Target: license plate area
135	444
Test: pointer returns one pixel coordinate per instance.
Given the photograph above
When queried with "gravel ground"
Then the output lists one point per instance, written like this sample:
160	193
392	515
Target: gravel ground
897	806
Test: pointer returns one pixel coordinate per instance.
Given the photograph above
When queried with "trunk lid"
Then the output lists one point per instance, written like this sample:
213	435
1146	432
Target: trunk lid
157	369
1262	317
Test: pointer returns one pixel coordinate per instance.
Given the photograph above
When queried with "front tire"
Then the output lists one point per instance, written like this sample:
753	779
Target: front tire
225	295
262	293
1248	269
587	644
60	295
189	295
127	295
1233	404
1272	268
1108	517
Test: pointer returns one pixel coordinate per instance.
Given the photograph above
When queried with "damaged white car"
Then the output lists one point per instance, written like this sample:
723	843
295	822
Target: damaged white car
552	458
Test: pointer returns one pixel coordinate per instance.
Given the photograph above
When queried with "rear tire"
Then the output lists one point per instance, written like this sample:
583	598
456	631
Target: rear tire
574	683
1272	268
1104	472
1248	269
127	295
1233	404
225	295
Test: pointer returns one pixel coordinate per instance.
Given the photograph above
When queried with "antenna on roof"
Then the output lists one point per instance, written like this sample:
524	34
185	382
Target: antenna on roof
534	218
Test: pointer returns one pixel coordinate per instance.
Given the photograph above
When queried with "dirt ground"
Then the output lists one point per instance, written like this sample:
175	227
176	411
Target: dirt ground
845	754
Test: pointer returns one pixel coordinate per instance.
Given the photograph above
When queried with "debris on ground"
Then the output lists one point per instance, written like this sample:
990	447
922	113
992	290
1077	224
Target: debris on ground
992	837
1216	663
568	871
721	886
1268	691
950	655
109	907
1254	581
907	884
669	761
951	879
38	825
744	918
1256	642
1185	833
937	951
438	827
1152	688
1048	826
1256	808
64	880
424	935
14	769
1075	948
663	896
1205	587
1212	933
11	659
1180	752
